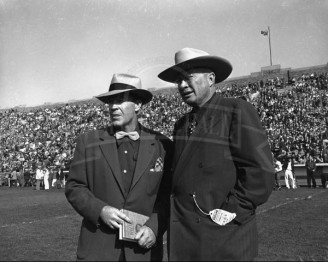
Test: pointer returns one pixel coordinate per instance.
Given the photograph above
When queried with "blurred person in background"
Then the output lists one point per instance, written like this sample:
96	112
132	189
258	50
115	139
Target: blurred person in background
310	166
27	177
45	172
288	166
9	178
324	175
13	177
277	169
60	177
39	177
20	176
52	176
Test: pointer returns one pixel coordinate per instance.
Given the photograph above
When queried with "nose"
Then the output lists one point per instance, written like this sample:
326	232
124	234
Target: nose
113	107
182	84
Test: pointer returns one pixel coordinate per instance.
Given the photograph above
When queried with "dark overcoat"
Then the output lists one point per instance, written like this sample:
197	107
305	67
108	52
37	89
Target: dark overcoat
227	164
95	180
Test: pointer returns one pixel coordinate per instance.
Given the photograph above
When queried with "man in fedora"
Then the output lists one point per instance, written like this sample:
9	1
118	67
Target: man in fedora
222	165
125	166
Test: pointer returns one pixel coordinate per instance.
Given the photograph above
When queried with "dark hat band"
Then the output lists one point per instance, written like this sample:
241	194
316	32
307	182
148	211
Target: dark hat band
120	86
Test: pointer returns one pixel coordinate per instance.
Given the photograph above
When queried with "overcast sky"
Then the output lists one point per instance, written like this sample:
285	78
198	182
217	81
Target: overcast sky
59	50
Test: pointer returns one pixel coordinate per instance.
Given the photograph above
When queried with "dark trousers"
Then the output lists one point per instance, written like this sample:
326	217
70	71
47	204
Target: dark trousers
324	179
310	177
39	184
27	182
277	179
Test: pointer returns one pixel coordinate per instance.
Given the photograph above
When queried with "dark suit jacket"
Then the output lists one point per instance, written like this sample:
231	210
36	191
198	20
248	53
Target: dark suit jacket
95	181
60	176
227	163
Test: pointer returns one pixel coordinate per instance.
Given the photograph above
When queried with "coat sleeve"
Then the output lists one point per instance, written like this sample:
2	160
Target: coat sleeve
253	160
77	189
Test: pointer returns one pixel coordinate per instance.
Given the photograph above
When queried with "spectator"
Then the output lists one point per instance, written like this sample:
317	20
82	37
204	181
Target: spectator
20	177
324	175
39	177
310	171
52	176
13	178
9	179
45	173
277	168
289	168
27	178
60	177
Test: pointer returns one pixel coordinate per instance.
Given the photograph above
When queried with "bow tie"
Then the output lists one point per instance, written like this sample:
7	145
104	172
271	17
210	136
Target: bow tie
132	135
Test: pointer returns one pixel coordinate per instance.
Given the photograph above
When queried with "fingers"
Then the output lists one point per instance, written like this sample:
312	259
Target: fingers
124	217
139	234
146	238
113	217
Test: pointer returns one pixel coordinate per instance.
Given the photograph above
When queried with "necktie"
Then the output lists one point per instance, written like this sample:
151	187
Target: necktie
132	135
192	124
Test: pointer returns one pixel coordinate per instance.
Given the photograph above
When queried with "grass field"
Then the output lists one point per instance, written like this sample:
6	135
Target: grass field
41	225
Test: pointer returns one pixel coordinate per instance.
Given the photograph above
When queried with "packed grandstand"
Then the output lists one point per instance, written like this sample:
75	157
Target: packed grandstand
293	111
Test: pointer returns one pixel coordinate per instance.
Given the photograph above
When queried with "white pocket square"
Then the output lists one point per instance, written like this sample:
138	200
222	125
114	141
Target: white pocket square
158	165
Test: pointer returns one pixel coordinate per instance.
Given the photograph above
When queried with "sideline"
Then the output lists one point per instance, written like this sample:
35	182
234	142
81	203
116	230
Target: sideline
38	220
289	202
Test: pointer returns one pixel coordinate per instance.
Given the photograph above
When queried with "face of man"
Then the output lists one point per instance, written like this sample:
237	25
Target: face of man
123	112
196	86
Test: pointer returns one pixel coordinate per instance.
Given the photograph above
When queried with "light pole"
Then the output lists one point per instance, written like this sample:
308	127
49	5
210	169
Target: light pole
267	32
270	46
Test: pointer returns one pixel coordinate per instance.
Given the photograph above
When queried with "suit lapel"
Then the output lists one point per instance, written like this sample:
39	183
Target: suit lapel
109	150
180	140
145	155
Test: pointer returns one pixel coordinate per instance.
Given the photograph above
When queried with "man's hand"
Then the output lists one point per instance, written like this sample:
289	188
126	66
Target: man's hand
113	217
146	237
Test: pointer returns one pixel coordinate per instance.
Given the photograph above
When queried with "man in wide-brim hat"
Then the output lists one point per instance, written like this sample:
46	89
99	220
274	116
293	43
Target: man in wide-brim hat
124	166
222	165
189	58
125	84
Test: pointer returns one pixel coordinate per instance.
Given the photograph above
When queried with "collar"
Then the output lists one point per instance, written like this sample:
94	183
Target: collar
126	139
112	130
197	112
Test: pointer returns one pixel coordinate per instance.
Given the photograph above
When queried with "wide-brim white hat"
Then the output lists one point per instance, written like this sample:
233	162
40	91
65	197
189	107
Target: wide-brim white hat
122	83
189	58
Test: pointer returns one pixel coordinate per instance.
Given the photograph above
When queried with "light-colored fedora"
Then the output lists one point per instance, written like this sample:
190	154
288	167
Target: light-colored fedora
126	83
188	58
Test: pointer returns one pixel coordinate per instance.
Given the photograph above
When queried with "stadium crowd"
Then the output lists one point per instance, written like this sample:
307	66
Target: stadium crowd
294	114
295	117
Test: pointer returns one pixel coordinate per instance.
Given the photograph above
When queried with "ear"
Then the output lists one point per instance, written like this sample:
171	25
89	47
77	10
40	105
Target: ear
211	78
137	106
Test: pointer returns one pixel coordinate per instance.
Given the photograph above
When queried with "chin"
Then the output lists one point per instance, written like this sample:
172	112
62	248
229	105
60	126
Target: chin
189	101
116	123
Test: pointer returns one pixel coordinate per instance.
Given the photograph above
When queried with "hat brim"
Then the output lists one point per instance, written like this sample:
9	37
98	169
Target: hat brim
220	66
145	95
